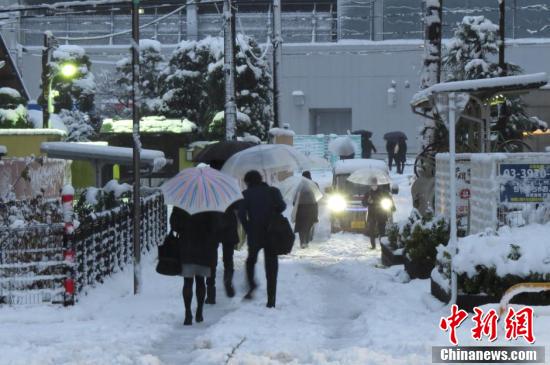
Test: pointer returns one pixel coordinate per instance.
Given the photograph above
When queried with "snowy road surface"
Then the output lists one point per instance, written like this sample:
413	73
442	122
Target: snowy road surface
335	305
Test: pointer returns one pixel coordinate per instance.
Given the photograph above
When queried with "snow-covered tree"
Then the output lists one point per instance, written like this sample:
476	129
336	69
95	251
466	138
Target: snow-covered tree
76	92
194	82
151	63
13	113
470	55
79	128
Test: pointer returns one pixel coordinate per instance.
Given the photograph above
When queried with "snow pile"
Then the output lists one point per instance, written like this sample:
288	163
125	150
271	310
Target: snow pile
494	251
276	132
10	91
116	188
150	44
250	138
349	166
241	117
67	52
153	124
32	131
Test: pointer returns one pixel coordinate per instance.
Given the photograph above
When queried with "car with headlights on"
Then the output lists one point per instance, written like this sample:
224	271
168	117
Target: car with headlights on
344	198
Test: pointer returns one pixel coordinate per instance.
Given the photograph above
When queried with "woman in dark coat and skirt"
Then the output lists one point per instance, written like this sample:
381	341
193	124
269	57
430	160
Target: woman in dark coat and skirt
198	243
307	214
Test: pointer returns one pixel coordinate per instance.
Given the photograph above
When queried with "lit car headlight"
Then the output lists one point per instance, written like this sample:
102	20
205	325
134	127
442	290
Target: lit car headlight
386	204
337	203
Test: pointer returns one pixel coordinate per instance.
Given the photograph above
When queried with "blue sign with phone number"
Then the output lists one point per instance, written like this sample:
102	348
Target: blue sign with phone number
527	183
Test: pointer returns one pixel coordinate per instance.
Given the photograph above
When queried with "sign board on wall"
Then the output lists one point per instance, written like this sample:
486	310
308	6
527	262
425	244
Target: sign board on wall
463	172
524	183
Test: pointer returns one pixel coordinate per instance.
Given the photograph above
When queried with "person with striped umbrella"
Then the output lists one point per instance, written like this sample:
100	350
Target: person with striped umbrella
200	196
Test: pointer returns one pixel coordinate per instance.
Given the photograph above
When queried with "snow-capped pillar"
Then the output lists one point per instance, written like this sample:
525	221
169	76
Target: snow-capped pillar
69	254
192	20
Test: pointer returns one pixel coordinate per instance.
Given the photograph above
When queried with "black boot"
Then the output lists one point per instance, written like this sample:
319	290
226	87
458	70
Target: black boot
210	294
198	314
251	290
270	302
188	318
228	283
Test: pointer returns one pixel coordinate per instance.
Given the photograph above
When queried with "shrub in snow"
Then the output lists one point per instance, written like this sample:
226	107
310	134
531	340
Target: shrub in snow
491	263
76	92
19	213
93	200
194	84
13	113
79	128
421	235
151	64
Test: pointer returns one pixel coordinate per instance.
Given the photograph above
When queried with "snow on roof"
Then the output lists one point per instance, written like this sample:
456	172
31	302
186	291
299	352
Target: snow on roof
281	132
68	51
153	124
518	82
32	131
93	152
10	91
493	251
343	167
241	117
3	150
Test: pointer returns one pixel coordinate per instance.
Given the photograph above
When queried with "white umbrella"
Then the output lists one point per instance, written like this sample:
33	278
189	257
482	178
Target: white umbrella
266	157
291	186
341	146
201	189
364	176
319	163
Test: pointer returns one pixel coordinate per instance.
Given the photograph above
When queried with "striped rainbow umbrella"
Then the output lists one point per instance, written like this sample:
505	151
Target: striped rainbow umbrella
201	189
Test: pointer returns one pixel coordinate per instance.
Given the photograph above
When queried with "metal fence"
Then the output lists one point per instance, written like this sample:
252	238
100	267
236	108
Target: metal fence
40	264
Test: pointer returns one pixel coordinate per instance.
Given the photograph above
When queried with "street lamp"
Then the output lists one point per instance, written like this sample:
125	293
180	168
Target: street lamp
67	70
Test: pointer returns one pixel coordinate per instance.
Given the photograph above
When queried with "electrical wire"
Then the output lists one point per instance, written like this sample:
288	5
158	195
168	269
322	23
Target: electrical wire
261	58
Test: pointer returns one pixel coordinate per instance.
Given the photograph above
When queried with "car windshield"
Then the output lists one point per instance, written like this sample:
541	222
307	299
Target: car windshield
349	188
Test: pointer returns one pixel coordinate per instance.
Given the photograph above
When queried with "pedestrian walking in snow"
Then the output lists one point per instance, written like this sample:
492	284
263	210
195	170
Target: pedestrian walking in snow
377	216
198	242
307	213
391	149
401	156
367	147
229	238
261	202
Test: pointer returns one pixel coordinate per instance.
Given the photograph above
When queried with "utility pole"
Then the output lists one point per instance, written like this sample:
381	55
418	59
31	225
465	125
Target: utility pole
502	31
277	53
137	145
46	80
230	109
433	18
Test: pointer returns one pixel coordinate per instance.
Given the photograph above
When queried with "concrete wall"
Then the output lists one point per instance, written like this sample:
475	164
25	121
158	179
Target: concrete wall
344	75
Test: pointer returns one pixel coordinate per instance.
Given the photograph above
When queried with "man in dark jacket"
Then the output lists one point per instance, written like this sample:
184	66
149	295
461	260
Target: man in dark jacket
391	149
367	147
378	211
307	213
260	203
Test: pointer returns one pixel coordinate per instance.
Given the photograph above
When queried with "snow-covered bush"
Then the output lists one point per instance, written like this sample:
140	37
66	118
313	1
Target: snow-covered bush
194	85
421	235
78	125
491	263
151	64
19	213
13	113
92	200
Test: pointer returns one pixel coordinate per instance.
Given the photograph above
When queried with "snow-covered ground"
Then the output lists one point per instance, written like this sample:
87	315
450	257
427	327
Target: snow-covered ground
335	305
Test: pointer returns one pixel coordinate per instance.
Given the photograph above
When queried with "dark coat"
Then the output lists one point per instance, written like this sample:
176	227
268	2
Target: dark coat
376	216
367	147
255	211
228	233
402	153
307	212
198	236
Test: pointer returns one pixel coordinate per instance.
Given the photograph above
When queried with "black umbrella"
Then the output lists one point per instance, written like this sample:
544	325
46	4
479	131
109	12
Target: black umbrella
218	153
395	136
363	132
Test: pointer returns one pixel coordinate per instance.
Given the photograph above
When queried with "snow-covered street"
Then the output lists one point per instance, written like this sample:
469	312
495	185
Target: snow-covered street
336	305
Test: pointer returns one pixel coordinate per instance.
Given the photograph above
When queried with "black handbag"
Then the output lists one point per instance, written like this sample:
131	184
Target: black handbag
280	235
169	256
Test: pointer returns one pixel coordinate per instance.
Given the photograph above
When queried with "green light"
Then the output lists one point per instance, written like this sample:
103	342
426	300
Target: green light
68	70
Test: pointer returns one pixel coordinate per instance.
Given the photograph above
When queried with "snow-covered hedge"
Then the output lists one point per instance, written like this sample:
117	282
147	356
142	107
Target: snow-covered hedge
492	262
93	200
13	112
